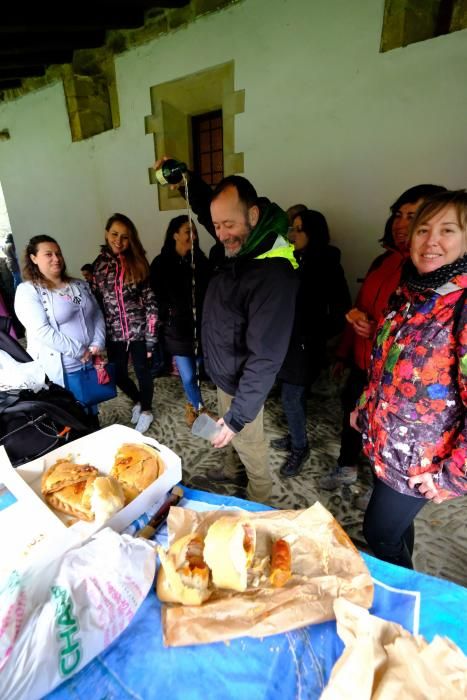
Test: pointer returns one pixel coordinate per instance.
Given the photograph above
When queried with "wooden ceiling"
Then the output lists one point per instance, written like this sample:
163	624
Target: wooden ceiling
34	37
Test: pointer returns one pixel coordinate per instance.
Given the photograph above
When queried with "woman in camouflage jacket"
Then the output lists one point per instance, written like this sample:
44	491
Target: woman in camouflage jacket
121	284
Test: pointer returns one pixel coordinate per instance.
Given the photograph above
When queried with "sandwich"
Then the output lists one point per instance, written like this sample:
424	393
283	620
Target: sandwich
136	466
183	575
229	548
281	563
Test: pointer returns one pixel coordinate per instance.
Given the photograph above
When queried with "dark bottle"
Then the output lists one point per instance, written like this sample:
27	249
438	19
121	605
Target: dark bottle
170	172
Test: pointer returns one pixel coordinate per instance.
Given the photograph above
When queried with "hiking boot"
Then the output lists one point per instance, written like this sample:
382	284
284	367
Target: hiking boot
363	499
224	475
191	414
282	443
212	415
339	476
230	470
293	465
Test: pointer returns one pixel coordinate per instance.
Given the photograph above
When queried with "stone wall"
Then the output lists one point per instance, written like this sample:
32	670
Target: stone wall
89	82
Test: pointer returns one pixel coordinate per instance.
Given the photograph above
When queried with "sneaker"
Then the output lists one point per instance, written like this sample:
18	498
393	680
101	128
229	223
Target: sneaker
282	443
339	476
362	501
144	421
191	414
135	414
293	465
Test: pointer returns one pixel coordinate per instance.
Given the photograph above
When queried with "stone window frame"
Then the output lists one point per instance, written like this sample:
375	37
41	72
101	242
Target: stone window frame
174	103
409	21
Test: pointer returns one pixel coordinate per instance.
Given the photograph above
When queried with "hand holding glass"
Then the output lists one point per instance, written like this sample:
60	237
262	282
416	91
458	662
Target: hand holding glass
205	427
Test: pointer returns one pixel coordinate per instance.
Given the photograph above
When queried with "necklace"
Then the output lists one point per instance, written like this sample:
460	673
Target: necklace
69	294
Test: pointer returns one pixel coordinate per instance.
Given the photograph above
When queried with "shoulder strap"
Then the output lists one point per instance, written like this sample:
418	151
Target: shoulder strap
458	307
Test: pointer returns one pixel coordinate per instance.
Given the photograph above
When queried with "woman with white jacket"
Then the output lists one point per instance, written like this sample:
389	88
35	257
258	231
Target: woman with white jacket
64	324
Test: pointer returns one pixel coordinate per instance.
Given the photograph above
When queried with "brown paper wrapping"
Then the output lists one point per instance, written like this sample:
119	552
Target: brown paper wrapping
382	661
325	566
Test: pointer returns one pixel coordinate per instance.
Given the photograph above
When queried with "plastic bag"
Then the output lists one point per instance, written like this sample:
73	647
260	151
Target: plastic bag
20	375
50	630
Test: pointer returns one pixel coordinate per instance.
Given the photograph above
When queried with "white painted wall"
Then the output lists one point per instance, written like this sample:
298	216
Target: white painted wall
329	121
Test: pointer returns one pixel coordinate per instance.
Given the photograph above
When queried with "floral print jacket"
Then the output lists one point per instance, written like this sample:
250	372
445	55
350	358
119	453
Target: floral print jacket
413	412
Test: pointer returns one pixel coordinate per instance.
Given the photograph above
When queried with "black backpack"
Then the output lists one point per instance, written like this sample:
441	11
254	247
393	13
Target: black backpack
34	423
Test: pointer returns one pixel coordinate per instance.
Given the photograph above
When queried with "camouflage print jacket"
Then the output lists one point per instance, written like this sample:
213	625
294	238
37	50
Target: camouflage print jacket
130	310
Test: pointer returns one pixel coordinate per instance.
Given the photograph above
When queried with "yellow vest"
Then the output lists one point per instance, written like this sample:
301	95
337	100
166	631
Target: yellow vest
280	249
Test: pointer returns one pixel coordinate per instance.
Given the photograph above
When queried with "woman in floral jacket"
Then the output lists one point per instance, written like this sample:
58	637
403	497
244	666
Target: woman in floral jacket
412	413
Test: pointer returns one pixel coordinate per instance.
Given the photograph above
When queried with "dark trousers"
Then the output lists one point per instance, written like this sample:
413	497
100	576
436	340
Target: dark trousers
388	524
351	440
293	398
118	352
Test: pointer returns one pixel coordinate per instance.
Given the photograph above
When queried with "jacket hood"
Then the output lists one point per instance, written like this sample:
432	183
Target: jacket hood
273	222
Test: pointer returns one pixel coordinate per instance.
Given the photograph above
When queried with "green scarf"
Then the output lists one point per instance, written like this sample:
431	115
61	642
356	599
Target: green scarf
272	220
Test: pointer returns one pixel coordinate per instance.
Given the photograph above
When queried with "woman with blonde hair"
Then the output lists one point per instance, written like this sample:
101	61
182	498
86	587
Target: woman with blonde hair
121	284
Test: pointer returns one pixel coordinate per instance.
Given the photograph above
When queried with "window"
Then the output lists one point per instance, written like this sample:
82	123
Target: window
206	103
208	156
408	21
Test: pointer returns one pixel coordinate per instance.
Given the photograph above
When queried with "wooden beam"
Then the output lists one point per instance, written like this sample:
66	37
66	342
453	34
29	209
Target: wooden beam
12	72
9	83
14	44
44	58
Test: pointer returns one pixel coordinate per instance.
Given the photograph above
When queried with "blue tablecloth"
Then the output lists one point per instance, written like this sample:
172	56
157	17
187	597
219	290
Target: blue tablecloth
294	665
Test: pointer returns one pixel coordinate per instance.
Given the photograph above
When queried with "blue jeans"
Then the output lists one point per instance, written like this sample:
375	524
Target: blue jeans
293	399
187	368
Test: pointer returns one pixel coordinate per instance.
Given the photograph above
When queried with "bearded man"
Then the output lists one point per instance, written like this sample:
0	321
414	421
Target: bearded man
247	317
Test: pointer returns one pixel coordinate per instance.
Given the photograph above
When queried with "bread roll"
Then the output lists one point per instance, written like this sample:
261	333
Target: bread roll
106	498
183	575
229	548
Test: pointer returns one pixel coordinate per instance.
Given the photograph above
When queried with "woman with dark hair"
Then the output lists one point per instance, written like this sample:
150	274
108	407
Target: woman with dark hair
63	322
121	284
179	281
354	350
412	414
322	300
